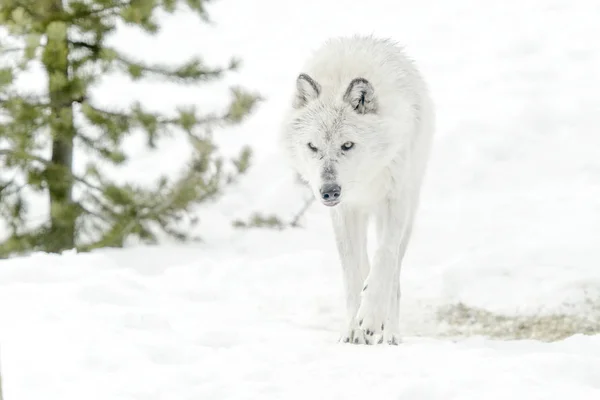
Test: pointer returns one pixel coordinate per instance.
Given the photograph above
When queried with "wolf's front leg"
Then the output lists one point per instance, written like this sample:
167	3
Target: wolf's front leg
381	295
350	228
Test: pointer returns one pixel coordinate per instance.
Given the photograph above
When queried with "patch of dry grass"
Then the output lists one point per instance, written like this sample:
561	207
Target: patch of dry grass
462	320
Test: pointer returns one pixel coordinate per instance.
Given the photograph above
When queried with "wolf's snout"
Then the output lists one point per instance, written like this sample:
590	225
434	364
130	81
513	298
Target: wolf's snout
330	193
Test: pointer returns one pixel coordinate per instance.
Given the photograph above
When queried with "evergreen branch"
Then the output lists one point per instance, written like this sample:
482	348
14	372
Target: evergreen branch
110	113
27	99
164	121
125	116
79	14
11	189
90	212
154	207
159	209
48	163
24	155
93	213
295	221
86	183
27	9
94	143
103	206
193	70
7	50
258	220
94	48
98	12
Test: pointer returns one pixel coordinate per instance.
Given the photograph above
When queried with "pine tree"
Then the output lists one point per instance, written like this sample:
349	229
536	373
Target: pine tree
67	37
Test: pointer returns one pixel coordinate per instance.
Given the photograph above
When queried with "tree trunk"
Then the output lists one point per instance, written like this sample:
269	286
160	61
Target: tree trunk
59	174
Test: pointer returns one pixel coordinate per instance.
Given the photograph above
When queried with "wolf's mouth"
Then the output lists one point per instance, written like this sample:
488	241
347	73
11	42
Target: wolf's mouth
330	203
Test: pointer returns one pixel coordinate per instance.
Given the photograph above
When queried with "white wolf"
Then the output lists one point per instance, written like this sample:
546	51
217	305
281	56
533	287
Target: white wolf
359	132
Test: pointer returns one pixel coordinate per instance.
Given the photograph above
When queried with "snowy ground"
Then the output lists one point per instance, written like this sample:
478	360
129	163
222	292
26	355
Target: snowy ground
508	229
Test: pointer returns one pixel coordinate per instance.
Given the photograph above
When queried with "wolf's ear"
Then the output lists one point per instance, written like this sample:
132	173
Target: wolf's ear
307	89
361	96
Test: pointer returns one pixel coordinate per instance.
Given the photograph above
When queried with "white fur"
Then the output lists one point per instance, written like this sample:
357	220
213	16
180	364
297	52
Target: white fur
380	176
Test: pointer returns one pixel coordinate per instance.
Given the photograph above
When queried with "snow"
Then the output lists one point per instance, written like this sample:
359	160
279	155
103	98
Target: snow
509	224
226	323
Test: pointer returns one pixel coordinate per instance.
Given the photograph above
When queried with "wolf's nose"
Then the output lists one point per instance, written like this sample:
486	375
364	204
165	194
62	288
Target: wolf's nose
331	191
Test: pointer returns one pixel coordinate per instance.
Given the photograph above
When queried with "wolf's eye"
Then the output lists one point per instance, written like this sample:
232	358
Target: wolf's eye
312	147
347	146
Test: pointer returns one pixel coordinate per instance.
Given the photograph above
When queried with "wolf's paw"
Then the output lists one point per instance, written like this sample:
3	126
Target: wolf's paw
371	321
393	339
354	335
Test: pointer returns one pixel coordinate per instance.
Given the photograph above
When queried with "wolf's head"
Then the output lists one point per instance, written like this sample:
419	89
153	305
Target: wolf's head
337	139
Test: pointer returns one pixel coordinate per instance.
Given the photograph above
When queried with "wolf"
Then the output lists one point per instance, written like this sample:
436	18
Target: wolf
358	130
